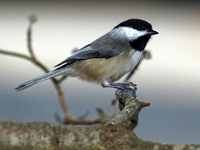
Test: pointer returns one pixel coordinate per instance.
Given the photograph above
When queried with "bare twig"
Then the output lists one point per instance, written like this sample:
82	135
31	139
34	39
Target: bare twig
103	118
29	43
34	60
84	115
61	96
62	79
19	55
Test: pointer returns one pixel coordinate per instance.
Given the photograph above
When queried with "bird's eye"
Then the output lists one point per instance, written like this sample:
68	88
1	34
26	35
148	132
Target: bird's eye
140	28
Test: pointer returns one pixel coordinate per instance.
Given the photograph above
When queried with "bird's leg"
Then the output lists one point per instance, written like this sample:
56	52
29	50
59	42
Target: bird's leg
122	87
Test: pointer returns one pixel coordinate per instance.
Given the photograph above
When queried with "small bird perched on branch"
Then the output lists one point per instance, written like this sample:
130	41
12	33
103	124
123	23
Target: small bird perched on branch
106	59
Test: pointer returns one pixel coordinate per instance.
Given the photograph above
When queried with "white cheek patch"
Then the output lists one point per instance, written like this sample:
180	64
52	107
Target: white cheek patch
131	33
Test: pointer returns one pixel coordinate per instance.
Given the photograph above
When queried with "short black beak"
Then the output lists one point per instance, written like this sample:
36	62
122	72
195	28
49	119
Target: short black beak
153	32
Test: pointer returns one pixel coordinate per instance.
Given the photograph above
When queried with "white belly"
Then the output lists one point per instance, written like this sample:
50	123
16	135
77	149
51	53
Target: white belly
99	69
134	60
126	65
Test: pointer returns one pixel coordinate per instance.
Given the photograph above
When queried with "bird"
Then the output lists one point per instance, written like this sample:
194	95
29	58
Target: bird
106	59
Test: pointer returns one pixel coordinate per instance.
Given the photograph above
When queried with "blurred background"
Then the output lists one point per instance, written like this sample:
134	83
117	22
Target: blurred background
170	81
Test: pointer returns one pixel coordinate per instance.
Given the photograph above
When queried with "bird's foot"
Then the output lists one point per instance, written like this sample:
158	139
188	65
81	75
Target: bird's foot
122	87
126	87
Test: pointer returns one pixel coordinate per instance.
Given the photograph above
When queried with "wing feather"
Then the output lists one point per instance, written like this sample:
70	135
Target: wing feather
104	47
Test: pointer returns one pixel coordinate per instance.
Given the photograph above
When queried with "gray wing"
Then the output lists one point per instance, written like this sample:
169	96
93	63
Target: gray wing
104	47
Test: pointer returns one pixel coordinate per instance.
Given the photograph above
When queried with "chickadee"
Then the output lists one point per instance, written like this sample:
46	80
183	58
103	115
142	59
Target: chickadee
106	59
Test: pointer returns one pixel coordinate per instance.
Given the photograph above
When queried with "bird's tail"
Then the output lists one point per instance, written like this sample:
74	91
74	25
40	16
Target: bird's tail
44	77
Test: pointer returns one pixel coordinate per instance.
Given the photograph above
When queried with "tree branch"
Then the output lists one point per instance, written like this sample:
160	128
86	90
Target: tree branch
19	55
113	135
130	108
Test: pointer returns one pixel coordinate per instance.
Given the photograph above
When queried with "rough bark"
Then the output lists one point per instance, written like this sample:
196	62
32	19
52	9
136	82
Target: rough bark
50	136
116	134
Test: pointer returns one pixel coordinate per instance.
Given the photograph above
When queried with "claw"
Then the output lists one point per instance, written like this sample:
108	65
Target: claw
133	83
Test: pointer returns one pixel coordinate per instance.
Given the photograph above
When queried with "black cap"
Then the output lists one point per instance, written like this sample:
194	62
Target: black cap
137	24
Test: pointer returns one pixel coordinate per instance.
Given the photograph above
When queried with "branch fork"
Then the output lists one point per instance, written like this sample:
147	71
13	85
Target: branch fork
130	108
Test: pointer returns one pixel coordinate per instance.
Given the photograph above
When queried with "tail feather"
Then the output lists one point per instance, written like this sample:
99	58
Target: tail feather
41	78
